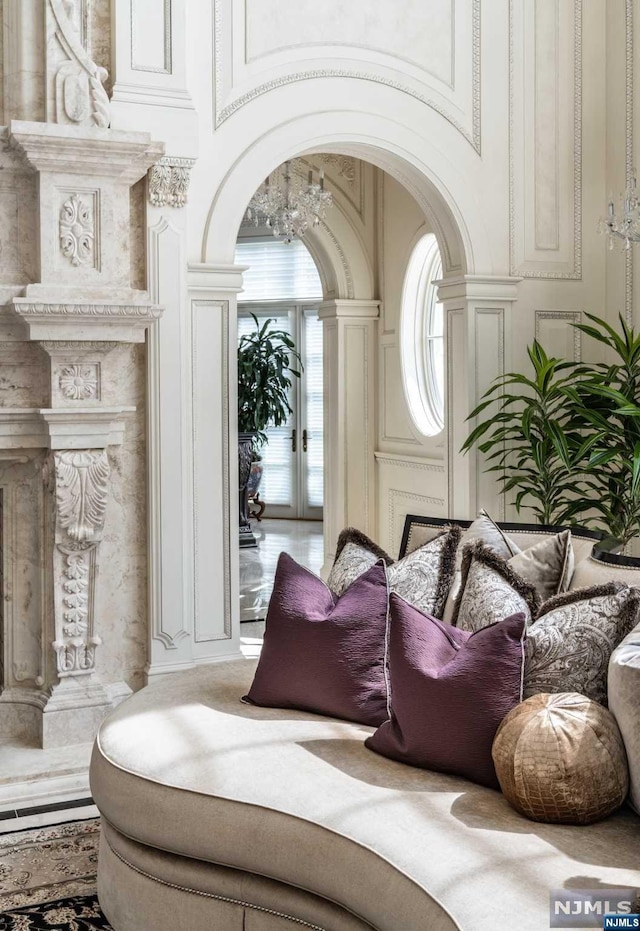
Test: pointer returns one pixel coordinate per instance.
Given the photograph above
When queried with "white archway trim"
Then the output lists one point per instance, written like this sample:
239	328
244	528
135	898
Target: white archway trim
427	171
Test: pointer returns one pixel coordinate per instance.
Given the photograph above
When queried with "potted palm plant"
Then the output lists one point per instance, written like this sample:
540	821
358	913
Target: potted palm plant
532	437
265	359
567	439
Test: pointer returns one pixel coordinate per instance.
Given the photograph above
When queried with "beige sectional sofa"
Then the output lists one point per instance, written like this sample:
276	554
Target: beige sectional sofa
228	817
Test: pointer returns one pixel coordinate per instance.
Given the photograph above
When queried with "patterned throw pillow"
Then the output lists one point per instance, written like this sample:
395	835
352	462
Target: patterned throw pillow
571	642
483	530
422	577
355	553
491	591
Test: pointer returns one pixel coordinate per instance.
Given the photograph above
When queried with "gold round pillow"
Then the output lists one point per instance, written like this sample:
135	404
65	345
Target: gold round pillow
560	759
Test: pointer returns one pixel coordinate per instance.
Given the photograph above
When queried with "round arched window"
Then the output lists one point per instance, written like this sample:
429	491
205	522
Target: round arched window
422	340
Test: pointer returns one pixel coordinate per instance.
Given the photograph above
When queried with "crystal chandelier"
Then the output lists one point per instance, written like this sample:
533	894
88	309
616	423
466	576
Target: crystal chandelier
286	205
623	226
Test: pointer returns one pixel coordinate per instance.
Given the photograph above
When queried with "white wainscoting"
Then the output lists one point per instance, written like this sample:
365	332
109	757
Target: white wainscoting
407	485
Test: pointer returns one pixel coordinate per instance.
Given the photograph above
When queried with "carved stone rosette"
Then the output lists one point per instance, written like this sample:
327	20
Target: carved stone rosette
168	181
81	492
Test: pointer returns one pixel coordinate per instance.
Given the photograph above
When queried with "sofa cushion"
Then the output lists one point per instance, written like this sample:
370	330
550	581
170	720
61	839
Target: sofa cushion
560	759
569	645
490	591
449	691
322	653
298	798
624	703
423	577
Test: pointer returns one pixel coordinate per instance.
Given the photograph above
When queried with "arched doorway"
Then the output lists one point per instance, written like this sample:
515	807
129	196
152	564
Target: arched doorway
475	302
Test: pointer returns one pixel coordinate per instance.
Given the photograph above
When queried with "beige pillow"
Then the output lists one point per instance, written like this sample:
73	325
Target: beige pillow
548	564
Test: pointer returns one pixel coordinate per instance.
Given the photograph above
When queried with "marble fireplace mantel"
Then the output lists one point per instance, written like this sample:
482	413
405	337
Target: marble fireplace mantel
59	468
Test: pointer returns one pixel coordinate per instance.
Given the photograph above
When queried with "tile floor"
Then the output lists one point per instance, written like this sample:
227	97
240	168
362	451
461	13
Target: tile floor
302	539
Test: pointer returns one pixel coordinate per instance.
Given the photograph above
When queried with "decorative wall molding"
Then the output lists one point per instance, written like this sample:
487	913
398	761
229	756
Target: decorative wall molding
201	314
49	322
77	94
77	231
222	113
565	318
521	265
65	345
398	498
346	265
409	462
136	63
170	587
40	309
629	148
168	181
488	364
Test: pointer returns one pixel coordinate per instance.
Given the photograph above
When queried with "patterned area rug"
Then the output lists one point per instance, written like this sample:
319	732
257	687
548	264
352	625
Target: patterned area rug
81	913
48	878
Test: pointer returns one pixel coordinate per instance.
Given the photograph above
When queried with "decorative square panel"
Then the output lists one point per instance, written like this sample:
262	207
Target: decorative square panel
79	228
78	381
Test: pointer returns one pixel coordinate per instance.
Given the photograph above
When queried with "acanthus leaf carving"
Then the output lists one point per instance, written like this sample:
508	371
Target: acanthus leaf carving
79	95
169	181
82	478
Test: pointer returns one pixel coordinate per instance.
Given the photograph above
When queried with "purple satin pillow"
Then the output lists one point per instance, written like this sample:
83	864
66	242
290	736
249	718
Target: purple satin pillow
450	689
322	653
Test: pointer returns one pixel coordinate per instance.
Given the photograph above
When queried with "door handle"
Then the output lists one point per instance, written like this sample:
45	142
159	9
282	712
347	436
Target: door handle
305	440
294	441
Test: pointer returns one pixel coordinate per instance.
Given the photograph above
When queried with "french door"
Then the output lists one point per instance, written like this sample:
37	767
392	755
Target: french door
292	484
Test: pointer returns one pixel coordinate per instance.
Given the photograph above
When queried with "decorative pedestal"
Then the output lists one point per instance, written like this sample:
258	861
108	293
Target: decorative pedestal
245	458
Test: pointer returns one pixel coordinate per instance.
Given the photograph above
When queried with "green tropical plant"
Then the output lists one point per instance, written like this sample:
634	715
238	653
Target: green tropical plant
265	358
532	437
606	402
